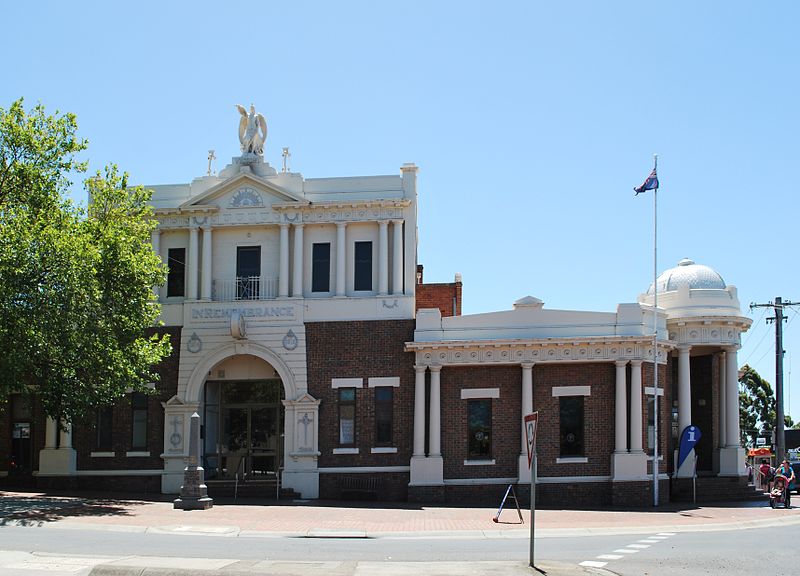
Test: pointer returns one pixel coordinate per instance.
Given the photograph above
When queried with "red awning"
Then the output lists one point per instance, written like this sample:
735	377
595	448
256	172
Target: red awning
760	452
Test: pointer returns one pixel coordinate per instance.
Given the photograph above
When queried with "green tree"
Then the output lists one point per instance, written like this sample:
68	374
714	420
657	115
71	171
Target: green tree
75	285
756	404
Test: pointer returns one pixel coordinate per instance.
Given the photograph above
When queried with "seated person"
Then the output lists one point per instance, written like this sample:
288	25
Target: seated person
785	470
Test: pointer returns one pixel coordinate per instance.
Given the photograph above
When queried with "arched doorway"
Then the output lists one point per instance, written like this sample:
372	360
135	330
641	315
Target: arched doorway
243	419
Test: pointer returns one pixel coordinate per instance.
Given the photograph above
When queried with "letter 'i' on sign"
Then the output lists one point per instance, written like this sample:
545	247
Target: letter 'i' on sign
530	434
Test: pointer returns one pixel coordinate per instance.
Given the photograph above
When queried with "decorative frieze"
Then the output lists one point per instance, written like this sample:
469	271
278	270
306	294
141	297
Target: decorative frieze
517	352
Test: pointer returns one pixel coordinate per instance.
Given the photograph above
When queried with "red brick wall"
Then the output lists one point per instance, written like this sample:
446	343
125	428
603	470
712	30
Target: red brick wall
361	349
598	416
506	427
84	433
441	296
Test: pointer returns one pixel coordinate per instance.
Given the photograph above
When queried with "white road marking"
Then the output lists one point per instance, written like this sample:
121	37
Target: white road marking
610	556
593	564
648	541
666	534
639	546
626	551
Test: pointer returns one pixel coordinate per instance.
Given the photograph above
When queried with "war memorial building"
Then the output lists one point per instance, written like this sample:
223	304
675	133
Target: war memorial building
322	364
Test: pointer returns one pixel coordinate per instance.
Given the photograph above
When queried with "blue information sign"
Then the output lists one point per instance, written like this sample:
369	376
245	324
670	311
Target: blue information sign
689	437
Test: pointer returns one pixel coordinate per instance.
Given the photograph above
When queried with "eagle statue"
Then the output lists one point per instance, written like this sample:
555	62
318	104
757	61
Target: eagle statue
252	130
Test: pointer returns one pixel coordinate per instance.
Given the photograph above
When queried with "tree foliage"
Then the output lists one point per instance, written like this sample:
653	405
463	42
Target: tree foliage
75	285
757	404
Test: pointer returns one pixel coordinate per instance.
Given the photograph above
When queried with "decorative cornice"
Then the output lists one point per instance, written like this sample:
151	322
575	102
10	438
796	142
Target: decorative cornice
608	349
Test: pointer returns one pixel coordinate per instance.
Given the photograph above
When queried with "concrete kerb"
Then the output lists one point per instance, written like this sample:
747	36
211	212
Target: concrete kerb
360	569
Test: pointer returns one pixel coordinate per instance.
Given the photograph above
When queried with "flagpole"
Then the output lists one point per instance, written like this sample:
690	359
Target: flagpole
655	336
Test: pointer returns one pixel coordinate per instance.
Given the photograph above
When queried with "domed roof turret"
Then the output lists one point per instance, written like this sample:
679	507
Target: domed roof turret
691	275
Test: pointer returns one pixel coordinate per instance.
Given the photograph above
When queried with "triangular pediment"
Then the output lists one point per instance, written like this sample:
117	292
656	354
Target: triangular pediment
174	401
243	191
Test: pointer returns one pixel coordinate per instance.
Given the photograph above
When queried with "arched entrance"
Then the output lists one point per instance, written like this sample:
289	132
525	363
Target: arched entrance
243	419
243	430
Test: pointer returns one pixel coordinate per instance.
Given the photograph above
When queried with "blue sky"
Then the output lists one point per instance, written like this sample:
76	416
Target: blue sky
530	122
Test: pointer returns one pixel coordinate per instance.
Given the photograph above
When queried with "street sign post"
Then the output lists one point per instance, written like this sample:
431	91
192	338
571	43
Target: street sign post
531	420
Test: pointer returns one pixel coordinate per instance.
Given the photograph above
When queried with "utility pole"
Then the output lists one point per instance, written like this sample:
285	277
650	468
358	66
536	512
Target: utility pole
778	319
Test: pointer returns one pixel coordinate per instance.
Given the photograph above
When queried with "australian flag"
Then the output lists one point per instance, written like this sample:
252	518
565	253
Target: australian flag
650	184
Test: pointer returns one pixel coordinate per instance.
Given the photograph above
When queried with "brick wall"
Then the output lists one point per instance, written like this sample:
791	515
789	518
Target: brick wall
444	296
598	416
361	349
85	433
441	296
506	427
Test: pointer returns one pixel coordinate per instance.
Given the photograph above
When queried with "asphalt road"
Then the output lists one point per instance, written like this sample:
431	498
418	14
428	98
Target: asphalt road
730	552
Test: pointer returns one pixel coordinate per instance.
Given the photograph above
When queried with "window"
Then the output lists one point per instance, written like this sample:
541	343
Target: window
248	272
383	415
103	425
139	421
347	416
571	425
363	266
176	276
321	267
479	422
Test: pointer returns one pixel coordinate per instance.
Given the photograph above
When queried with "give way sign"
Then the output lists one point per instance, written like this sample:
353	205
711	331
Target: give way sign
530	433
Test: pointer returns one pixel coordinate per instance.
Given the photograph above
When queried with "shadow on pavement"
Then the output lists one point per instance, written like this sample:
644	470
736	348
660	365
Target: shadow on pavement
38	509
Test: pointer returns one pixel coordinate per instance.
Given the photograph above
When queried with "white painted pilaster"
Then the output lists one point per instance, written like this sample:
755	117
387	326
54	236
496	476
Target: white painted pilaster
621	409
383	257
524	472
283	266
205	285
637	426
419	410
192	265
397	257
723	402
341	258
155	241
685	405
435	449
297	279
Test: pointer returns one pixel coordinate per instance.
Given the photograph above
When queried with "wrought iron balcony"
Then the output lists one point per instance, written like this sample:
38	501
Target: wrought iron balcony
244	288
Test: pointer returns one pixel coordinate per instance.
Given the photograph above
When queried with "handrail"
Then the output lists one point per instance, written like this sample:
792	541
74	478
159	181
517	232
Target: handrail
236	483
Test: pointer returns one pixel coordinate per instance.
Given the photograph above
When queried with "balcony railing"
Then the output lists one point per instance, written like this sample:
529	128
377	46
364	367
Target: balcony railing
244	288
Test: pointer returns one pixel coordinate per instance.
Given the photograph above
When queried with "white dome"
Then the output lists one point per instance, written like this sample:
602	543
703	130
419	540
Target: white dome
687	273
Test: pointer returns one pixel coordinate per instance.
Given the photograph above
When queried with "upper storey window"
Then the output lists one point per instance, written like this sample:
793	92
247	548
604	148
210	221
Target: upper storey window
363	266
176	277
321	267
248	272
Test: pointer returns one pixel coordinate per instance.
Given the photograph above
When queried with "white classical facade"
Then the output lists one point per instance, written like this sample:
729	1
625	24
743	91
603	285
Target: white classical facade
264	253
704	317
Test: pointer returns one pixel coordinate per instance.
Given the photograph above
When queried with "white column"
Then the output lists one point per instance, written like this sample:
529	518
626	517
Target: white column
621	409
66	436
297	278
341	254
397	258
419	411
732	396
205	284
50	434
283	270
684	389
527	403
155	240
435	449
723	402
383	257
192	265
636	406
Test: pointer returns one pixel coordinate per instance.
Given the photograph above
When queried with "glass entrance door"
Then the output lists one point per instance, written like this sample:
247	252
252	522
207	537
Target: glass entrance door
244	425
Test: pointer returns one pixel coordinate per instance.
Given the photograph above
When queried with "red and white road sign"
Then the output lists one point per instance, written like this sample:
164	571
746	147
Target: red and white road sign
530	433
